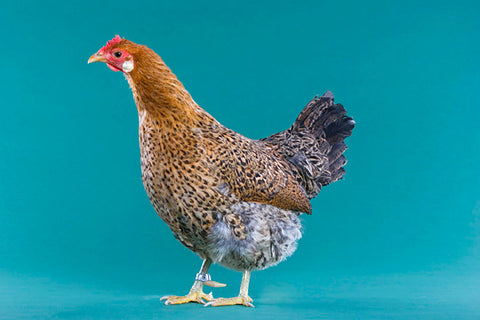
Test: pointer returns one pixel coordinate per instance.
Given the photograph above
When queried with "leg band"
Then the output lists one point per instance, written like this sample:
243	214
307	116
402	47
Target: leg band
203	277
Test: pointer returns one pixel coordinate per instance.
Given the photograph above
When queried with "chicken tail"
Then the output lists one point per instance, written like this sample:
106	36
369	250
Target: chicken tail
314	144
330	125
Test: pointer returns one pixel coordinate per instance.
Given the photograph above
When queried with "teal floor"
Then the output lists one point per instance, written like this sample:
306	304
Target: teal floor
426	296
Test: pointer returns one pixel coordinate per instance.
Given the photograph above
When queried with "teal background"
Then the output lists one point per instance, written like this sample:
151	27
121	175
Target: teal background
398	238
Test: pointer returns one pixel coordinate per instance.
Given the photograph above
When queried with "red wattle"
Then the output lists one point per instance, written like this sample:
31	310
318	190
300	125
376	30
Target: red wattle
113	67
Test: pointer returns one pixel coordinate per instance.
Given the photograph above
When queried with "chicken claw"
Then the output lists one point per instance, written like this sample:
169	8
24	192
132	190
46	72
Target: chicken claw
198	297
240	300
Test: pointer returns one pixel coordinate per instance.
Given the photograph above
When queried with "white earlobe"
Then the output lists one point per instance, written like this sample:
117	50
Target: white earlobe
127	66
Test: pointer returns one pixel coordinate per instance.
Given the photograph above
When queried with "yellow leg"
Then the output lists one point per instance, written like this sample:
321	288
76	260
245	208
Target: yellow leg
242	299
196	293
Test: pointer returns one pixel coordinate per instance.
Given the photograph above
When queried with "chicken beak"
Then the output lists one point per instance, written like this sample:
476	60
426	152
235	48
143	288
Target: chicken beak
96	58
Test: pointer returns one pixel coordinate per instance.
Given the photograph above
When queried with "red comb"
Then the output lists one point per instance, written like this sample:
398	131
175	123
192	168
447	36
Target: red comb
110	43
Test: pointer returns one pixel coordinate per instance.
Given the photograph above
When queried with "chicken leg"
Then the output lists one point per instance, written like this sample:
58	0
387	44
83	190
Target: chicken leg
196	293
242	299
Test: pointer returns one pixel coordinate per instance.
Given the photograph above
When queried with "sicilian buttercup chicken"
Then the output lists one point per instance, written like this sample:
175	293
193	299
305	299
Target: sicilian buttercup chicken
230	199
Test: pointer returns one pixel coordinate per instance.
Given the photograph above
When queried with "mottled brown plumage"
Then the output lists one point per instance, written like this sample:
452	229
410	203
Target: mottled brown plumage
232	200
188	157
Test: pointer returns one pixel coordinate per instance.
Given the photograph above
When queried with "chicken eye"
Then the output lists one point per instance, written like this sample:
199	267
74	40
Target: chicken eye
117	54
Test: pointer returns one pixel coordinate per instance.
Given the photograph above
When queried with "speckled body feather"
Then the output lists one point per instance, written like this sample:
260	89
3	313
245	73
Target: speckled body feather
232	199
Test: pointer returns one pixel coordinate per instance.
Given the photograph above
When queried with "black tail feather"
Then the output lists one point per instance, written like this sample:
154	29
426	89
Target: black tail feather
339	130
314	144
337	175
337	150
330	126
337	164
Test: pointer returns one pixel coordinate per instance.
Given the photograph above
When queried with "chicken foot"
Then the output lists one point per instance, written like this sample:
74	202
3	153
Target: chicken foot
242	299
196	293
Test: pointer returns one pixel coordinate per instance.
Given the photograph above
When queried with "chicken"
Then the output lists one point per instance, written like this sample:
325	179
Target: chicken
232	200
